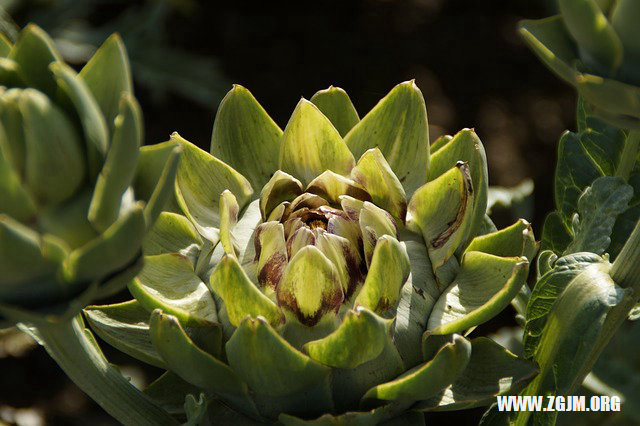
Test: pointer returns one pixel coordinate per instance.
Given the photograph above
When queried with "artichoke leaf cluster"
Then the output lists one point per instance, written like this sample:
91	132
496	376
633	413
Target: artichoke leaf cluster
329	273
71	224
594	45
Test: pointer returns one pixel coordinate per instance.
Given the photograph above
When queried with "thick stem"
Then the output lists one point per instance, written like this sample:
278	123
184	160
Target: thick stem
612	323
78	354
625	271
626	268
629	155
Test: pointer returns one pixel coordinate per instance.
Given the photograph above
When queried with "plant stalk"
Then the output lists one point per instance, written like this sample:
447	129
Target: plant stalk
78	354
626	268
629	154
625	271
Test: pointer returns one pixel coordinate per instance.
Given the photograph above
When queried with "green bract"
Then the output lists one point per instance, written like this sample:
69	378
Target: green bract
595	46
71	226
330	271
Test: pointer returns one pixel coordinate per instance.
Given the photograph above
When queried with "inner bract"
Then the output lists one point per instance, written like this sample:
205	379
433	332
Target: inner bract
334	216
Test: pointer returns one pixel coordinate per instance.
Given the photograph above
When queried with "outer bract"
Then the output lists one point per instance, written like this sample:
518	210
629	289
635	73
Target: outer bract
595	46
327	274
71	225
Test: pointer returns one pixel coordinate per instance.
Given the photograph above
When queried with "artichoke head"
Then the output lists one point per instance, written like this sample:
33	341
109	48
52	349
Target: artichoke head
595	46
289	281
71	225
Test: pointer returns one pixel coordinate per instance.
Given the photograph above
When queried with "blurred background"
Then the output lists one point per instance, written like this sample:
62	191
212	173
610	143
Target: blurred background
465	56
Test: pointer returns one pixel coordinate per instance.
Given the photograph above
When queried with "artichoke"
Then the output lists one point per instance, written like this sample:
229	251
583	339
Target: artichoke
71	226
343	291
595	46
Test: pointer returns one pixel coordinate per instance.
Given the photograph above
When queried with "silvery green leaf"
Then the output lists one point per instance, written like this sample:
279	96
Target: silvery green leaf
582	158
568	328
598	207
547	290
627	220
551	42
600	46
556	235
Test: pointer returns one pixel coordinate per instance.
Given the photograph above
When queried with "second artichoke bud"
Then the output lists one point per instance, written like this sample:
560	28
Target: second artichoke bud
71	226
595	46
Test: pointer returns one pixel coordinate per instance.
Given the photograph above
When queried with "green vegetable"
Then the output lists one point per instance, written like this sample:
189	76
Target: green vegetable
594	46
330	271
71	224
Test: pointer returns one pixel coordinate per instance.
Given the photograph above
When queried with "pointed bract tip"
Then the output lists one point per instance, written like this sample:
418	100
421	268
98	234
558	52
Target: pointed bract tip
33	27
235	87
525	222
409	84
115	38
303	102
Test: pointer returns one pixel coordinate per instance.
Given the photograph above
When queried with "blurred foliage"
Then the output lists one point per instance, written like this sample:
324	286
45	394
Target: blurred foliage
14	343
79	27
617	372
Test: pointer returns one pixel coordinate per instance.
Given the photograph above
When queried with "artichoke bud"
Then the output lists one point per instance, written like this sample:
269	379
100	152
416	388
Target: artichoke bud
337	263
624	19
594	45
600	45
315	218
66	177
